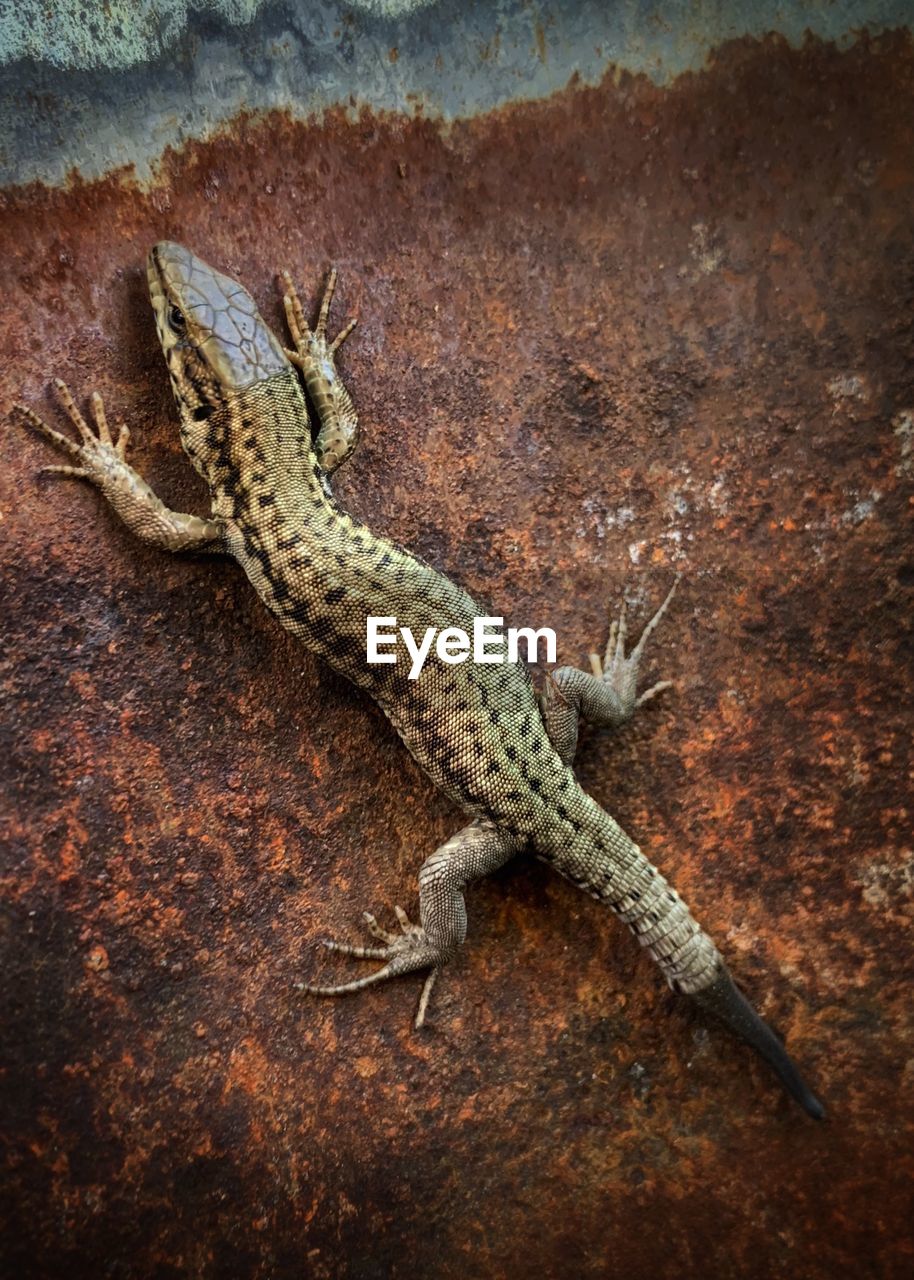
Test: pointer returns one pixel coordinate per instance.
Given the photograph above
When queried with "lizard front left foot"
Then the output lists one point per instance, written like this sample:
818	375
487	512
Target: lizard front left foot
404	952
97	457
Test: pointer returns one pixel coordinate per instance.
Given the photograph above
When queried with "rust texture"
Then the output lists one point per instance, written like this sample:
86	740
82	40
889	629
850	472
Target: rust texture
619	333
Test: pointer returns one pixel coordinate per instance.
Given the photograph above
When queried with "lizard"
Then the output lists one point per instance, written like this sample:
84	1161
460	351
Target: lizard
499	750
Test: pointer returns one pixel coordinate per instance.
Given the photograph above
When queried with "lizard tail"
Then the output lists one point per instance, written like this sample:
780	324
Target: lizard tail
725	1000
601	859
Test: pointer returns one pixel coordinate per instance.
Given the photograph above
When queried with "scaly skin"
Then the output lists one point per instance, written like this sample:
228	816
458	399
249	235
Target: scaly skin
478	730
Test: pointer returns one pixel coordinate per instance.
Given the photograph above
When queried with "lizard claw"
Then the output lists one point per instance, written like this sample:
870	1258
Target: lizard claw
619	671
315	357
405	952
95	455
410	938
311	345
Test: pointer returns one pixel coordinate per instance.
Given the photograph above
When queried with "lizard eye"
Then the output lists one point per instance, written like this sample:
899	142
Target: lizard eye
176	320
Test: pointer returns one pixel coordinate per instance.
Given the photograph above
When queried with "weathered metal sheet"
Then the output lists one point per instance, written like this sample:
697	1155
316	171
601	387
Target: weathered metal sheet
630	330
92	93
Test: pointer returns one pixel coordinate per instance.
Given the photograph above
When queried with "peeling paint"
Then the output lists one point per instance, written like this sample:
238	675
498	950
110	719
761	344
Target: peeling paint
89	95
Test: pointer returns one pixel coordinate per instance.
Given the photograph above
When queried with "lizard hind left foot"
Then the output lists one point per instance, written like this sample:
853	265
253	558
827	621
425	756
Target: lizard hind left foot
404	952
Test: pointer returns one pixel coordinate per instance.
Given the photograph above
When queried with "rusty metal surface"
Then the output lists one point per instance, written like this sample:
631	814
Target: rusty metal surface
621	332
91	93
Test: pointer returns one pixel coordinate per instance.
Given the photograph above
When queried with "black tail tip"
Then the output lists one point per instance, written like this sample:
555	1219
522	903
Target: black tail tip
724	999
811	1104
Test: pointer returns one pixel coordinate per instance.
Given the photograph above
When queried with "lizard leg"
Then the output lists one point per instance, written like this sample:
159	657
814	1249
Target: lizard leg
471	854
314	356
103	462
606	698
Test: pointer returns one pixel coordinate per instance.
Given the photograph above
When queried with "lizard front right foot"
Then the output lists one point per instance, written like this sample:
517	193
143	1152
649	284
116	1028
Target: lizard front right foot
403	952
315	355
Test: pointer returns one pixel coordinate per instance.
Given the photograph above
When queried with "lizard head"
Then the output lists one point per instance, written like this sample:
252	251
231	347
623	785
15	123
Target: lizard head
215	343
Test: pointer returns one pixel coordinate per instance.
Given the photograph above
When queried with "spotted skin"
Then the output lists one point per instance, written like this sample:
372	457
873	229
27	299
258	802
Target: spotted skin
479	731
